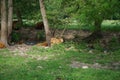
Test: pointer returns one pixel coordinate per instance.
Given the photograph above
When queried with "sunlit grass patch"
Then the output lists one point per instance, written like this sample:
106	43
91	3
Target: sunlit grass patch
111	25
57	63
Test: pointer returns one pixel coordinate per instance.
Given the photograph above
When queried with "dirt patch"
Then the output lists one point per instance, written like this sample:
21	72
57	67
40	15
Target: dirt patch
21	50
71	34
29	37
34	35
114	65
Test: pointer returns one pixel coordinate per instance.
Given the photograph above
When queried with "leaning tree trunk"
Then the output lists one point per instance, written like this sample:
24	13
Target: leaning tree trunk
10	15
3	23
45	21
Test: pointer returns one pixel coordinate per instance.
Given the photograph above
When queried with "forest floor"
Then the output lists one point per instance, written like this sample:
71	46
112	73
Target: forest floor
73	59
30	39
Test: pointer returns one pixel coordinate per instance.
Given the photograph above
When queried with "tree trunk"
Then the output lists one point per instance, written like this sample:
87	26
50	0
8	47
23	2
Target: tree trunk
97	32
3	23
19	16
45	21
10	15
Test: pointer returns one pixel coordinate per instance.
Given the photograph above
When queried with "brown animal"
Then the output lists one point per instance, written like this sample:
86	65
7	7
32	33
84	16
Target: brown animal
39	26
56	41
53	41
2	45
42	44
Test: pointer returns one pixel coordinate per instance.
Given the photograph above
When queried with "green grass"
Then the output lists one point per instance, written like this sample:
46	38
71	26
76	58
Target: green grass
54	63
111	25
107	25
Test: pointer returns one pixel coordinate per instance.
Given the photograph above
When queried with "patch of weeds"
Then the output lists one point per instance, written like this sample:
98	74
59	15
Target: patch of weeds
70	45
41	35
17	26
97	46
114	44
87	28
28	26
47	53
3	51
81	45
15	36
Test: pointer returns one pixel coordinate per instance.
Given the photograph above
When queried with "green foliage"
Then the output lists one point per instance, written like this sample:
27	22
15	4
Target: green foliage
98	9
54	12
41	35
88	11
98	46
17	26
62	12
28	9
114	40
15	36
114	44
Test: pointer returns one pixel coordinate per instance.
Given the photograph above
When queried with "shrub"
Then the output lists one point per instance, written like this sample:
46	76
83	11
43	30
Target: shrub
15	36
41	35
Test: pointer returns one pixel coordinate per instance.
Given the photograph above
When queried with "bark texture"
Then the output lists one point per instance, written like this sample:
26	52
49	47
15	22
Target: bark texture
10	15
97	32
45	21
3	23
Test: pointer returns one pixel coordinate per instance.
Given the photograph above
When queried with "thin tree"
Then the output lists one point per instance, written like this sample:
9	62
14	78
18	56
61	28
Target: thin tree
3	23
45	21
10	15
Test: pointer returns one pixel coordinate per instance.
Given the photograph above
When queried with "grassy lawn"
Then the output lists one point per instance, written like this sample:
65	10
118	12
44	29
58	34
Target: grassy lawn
66	61
55	63
111	25
107	25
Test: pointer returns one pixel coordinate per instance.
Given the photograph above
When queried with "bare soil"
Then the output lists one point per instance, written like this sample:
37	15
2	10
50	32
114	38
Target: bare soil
29	37
113	66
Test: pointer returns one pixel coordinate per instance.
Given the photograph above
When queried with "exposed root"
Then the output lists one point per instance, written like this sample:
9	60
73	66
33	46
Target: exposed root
94	36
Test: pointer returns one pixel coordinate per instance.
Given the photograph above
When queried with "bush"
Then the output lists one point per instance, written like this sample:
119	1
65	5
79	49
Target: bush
15	36
17	26
41	35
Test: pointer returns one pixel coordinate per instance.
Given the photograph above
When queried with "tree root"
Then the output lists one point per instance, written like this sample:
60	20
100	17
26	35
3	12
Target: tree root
94	36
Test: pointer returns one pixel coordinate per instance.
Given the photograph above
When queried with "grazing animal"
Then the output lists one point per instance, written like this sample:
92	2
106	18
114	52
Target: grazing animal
56	41
53	41
42	44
